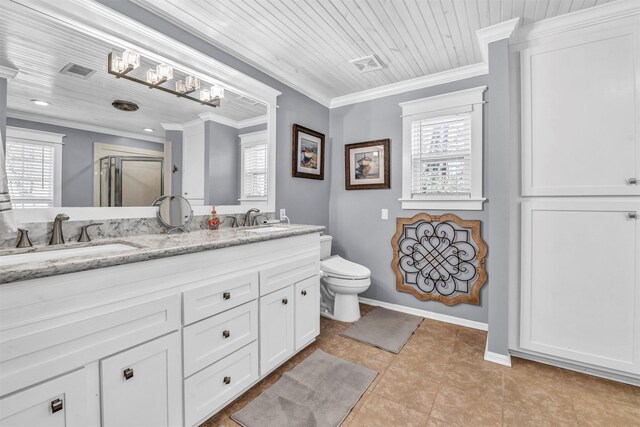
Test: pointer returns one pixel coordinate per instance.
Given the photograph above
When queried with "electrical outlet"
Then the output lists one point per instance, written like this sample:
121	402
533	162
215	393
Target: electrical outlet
283	213
384	214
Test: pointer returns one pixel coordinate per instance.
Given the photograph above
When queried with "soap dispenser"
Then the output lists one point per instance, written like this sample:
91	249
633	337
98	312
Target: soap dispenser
214	221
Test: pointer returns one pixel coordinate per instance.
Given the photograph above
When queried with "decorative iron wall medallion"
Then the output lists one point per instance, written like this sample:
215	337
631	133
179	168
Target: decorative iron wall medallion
440	258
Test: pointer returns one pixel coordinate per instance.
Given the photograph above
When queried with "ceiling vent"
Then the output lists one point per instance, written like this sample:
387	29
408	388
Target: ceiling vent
367	63
76	70
121	105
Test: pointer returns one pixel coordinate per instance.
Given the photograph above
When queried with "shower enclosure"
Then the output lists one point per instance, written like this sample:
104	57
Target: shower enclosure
130	180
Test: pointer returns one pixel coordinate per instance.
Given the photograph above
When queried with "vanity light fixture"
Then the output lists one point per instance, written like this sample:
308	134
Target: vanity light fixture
40	103
129	61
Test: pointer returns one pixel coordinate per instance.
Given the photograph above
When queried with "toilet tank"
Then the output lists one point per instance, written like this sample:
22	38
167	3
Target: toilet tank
325	246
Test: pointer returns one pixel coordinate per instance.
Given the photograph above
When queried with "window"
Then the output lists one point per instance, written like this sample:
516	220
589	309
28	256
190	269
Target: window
442	151
254	166
33	163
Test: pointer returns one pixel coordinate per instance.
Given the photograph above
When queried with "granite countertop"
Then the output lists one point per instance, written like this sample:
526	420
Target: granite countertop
143	248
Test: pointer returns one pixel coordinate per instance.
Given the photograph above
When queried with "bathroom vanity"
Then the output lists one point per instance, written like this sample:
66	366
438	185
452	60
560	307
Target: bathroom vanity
165	333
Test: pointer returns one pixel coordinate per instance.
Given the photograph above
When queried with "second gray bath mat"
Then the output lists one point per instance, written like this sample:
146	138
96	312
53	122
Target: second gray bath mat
386	329
319	392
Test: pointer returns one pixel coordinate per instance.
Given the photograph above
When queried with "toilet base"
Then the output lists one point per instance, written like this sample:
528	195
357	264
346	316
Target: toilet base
346	308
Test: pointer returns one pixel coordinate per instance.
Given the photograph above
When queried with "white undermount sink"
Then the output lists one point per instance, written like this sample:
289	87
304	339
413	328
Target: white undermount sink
62	253
265	230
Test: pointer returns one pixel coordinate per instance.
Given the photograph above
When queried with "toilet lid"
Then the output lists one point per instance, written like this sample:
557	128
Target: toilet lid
339	267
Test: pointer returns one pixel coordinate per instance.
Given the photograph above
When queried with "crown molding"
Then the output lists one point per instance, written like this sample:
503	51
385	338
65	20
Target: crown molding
412	84
500	31
485	36
21	115
252	122
172	126
237	124
7	72
579	19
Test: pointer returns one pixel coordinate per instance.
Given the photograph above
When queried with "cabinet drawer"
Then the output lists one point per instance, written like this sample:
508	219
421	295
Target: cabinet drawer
59	402
218	295
289	272
212	339
43	348
210	389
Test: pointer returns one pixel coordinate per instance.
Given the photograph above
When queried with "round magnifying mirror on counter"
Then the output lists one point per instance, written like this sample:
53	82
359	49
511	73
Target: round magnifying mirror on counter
174	212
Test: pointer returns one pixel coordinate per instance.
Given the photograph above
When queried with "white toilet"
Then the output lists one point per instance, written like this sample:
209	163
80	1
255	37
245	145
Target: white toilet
341	282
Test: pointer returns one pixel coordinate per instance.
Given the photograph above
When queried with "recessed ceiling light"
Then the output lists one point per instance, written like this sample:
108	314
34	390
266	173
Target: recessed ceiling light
39	102
148	130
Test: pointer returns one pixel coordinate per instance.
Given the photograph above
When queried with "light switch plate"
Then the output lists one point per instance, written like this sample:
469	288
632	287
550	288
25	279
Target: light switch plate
384	214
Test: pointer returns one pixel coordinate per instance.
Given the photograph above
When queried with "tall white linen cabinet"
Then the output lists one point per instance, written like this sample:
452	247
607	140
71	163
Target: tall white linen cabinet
579	199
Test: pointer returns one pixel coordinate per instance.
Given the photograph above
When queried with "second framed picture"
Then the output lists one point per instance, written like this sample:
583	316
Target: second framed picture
367	165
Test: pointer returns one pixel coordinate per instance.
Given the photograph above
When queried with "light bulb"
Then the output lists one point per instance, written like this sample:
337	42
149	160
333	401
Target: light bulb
164	71
217	92
152	76
131	59
117	65
193	83
205	96
181	86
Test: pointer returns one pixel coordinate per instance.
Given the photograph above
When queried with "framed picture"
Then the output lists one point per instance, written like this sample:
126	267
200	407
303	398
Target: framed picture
366	165
307	153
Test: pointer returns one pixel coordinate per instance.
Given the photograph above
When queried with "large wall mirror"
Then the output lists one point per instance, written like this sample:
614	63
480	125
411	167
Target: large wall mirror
83	139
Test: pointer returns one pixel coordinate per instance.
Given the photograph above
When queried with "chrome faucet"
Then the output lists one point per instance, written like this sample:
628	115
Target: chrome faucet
247	216
56	232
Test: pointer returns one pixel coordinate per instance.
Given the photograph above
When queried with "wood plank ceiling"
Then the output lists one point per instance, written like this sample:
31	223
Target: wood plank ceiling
308	43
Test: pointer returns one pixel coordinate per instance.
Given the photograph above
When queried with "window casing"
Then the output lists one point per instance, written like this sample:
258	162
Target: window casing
442	151
254	161
34	168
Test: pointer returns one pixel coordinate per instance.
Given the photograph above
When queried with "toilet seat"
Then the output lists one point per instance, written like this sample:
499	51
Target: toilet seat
339	268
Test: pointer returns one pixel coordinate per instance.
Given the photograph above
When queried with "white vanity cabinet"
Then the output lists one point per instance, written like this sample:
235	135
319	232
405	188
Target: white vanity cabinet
60	402
165	342
143	386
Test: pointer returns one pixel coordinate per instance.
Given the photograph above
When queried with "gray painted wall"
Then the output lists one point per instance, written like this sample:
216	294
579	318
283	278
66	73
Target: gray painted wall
306	200
175	137
222	174
77	158
359	233
497	193
3	111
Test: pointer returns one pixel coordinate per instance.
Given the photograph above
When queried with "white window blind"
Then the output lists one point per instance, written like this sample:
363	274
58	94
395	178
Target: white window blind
254	171
441	156
30	173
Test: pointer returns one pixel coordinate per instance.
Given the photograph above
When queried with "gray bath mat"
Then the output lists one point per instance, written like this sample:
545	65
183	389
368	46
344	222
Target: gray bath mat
319	392
386	329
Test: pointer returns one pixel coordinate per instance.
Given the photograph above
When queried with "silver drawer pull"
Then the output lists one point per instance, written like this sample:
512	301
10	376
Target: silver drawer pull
56	405
632	215
285	301
304	293
226	334
226	295
632	181
227	380
127	373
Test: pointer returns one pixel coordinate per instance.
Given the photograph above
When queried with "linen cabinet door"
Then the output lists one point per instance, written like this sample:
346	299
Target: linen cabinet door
307	309
276	328
57	403
581	282
143	386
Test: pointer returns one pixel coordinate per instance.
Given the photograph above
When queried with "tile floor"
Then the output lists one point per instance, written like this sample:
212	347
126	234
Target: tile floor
440	379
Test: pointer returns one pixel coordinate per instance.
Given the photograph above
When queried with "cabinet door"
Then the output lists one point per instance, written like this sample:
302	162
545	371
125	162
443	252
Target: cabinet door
276	328
307	309
59	402
142	386
581	115
581	282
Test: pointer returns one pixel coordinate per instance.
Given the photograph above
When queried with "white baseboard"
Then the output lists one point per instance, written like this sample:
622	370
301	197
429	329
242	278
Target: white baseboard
428	314
498	358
